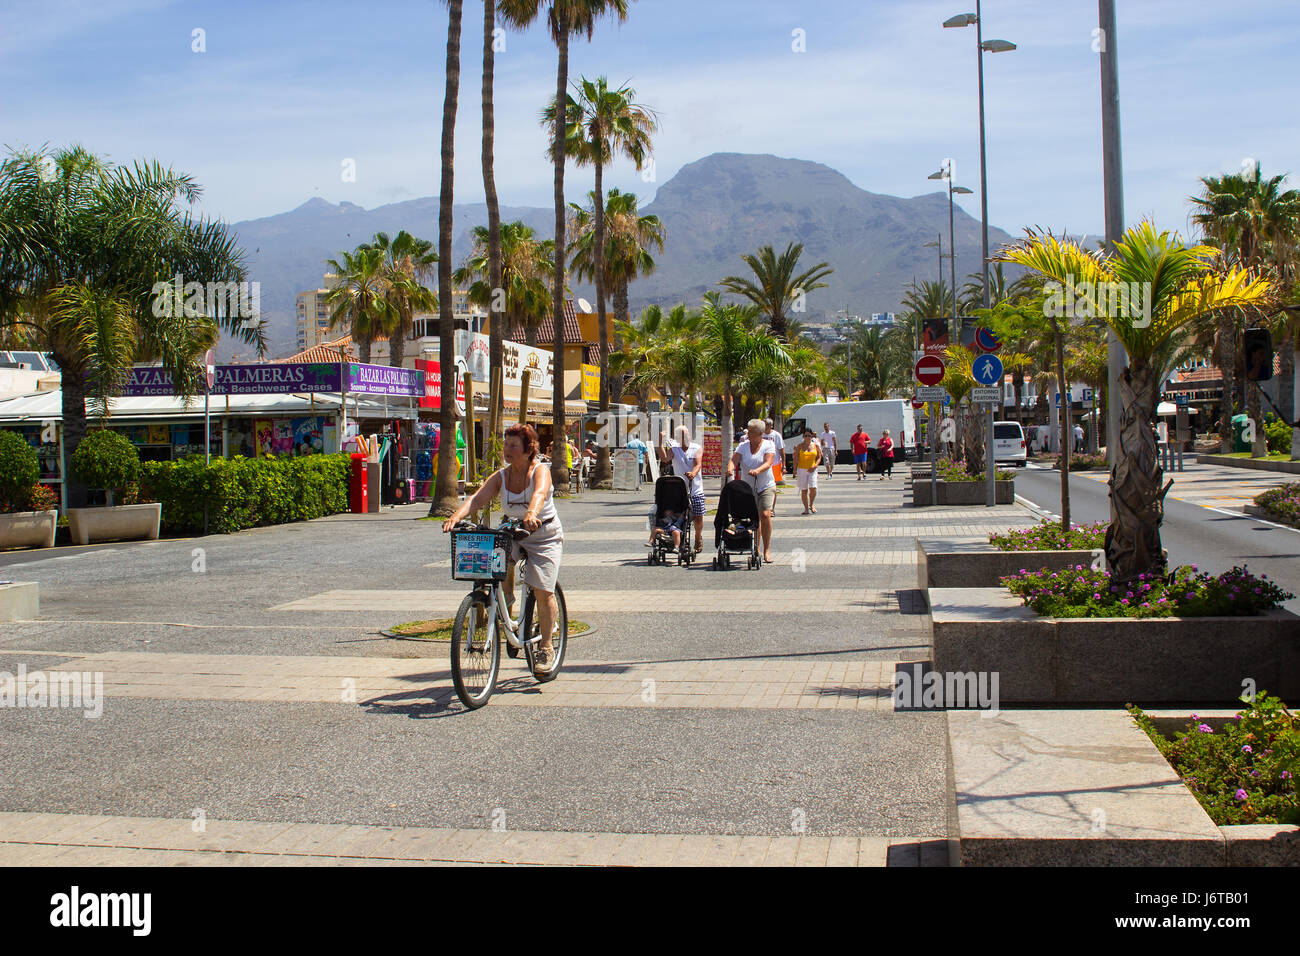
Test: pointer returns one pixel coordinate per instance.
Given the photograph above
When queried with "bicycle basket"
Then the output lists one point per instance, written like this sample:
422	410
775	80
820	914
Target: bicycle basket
479	555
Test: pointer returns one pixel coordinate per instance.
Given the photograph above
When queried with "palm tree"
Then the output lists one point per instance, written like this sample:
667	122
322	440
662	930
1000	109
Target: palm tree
630	238
731	345
1254	223
929	300
88	254
603	124
407	263
778	286
524	277
958	380
882	360
565	18
496	334
1182	288
358	299
445	497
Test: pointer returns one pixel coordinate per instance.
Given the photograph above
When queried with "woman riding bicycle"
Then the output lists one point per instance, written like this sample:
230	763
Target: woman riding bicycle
526	493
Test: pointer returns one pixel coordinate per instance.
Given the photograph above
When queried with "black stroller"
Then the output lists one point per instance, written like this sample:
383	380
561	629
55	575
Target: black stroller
736	525
671	494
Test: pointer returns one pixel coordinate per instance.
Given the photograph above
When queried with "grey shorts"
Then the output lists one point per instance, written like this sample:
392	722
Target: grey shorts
543	550
767	498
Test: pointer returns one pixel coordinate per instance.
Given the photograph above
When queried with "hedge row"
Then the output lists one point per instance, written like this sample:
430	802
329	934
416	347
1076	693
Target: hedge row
245	492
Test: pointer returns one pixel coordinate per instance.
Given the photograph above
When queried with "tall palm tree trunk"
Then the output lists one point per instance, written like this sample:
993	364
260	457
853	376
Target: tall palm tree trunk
1136	497
397	345
603	472
445	497
74	425
559	473
1259	444
496	317
728	422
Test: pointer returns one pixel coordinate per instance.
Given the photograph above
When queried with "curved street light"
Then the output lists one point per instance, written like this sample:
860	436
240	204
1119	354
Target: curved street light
981	46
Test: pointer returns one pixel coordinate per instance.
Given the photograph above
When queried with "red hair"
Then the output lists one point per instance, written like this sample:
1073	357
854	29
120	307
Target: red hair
527	437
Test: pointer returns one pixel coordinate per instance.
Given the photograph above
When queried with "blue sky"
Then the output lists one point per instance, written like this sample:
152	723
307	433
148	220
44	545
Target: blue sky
287	91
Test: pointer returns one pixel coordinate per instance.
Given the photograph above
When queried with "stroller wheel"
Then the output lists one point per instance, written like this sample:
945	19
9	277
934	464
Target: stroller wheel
650	558
713	565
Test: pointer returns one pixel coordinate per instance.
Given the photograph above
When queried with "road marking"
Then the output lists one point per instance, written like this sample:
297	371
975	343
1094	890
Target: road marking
1238	514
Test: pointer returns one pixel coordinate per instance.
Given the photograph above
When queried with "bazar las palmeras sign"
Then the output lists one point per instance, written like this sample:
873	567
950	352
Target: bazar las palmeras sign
283	378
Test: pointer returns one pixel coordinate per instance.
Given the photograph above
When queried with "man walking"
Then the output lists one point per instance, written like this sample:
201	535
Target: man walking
1078	438
827	438
774	436
860	441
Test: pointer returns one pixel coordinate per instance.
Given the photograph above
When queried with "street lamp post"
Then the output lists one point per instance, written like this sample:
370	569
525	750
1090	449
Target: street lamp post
1113	174
981	47
946	173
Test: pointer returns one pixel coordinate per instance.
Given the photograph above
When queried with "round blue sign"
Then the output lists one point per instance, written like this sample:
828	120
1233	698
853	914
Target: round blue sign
986	340
987	370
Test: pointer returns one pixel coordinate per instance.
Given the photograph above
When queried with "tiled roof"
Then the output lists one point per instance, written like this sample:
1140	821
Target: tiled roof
340	351
546	330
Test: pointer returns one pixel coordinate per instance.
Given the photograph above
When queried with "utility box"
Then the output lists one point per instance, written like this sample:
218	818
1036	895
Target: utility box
1240	426
358	490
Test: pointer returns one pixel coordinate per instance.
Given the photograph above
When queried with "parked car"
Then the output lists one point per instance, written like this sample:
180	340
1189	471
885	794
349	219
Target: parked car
1009	443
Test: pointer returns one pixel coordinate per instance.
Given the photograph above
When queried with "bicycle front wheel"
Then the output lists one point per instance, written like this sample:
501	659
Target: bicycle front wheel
532	627
475	659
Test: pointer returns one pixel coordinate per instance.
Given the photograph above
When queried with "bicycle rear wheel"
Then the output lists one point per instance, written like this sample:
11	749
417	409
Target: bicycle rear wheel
532	627
475	660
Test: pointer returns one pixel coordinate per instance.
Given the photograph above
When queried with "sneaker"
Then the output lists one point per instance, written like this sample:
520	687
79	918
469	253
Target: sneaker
543	659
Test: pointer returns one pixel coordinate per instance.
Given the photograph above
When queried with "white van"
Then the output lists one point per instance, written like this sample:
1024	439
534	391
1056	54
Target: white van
844	417
1009	443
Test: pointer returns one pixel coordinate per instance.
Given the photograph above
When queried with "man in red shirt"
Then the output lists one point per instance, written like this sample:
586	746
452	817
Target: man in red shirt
860	441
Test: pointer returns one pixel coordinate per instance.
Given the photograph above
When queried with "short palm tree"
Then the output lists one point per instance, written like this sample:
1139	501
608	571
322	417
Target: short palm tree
777	285
88	251
523	278
407	264
1182	288
358	299
731	344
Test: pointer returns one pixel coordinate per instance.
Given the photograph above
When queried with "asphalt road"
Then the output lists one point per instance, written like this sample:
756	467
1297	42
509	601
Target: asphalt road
1210	538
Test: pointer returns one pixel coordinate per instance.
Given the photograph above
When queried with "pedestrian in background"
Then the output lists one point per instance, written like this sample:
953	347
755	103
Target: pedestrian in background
886	447
860	441
687	457
807	455
637	445
774	436
829	448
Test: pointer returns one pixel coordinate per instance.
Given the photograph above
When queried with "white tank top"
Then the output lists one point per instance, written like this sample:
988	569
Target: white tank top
516	505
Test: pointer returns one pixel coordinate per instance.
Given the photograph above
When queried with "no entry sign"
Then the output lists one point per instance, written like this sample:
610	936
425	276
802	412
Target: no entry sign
929	370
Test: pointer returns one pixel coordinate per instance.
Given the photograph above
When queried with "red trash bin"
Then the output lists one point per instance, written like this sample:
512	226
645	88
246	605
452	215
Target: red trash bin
358	493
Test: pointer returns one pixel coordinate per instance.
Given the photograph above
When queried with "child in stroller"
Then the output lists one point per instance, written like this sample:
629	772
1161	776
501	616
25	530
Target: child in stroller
669	522
736	525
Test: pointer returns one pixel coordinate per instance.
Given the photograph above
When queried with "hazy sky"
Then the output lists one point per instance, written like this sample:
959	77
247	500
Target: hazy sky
285	92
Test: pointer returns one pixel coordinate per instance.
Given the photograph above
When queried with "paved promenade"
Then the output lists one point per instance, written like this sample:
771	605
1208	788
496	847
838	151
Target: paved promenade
254	713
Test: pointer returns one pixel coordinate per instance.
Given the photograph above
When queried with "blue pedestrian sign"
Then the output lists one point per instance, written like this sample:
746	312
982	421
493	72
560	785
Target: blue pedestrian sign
987	370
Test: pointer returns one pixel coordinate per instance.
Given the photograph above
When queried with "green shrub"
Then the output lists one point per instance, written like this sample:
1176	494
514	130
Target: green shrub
1245	773
19	471
245	492
1048	536
1085	463
950	470
106	460
1185	592
1283	502
43	498
1277	433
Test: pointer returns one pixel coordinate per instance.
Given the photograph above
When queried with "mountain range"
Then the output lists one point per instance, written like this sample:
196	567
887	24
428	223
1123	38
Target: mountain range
713	211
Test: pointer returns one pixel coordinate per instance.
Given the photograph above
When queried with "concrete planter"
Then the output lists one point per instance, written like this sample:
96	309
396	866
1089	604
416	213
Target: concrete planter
947	564
1256	464
118	523
1084	788
28	529
1043	660
962	493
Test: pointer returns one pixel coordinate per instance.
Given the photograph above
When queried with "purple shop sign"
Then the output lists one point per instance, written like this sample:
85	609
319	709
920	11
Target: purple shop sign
283	378
385	380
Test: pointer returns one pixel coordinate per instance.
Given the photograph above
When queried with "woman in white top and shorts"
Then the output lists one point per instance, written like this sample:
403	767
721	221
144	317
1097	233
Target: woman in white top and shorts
526	493
752	462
